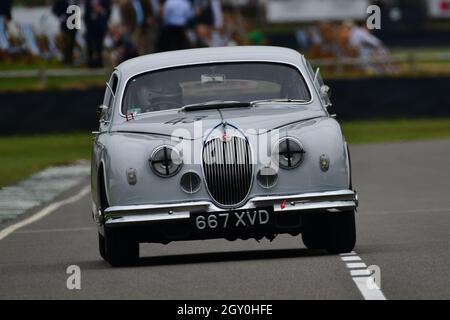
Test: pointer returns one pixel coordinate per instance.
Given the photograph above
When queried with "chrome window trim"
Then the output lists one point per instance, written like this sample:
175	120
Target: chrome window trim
296	66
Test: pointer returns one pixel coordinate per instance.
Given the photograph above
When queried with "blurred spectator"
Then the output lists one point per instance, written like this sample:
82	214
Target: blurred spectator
364	44
209	13
176	15
202	36
138	20
209	22
235	39
96	16
5	9
324	40
362	41
123	47
68	36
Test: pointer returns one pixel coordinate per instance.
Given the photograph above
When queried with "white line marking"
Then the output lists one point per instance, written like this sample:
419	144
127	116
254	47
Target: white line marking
39	188
44	212
351	258
348	254
360	272
354	265
362	277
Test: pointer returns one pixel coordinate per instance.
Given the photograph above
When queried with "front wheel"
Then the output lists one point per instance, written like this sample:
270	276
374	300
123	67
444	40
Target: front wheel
101	246
335	232
315	230
342	232
120	249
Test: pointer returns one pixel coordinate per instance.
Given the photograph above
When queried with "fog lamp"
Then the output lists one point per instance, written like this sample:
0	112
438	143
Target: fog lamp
190	182
267	177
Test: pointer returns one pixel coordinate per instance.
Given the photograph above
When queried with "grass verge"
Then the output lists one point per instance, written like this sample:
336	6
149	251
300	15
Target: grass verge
395	130
54	83
24	155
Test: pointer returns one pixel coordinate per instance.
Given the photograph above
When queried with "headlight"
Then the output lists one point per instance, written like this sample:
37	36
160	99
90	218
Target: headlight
290	153
165	161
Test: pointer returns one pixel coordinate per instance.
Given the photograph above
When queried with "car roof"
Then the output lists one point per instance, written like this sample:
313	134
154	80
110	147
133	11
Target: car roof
168	59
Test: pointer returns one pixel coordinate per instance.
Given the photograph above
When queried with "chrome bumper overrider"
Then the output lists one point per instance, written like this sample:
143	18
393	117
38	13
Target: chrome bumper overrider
137	214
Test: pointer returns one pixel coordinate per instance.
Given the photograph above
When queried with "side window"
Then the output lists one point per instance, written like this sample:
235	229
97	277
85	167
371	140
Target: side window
110	92
322	88
310	70
115	81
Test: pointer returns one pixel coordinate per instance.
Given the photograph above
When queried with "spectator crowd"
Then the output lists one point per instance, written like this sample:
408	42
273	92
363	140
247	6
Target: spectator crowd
147	26
163	25
328	40
144	26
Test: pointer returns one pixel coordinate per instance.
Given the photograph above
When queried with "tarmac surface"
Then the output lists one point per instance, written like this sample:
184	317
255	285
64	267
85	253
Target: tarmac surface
403	227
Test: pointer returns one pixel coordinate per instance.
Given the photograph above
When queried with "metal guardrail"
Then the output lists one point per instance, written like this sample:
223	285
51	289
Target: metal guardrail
411	60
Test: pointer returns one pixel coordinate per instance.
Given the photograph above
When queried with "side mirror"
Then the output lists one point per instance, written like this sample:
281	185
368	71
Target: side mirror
325	91
101	110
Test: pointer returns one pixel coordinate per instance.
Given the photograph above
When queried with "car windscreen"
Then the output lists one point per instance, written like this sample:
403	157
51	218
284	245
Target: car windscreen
243	81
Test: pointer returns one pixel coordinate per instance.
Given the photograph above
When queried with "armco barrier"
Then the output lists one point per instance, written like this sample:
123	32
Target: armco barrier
369	98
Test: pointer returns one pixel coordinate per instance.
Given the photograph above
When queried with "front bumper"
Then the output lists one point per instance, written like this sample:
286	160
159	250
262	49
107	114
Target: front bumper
339	200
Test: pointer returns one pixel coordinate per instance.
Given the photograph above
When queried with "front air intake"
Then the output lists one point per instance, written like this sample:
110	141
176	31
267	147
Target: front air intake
227	166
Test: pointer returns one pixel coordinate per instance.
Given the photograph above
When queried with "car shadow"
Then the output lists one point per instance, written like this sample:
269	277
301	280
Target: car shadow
210	257
214	257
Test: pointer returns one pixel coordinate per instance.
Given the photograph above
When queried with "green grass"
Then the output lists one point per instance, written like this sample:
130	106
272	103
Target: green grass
24	155
35	64
396	130
56	83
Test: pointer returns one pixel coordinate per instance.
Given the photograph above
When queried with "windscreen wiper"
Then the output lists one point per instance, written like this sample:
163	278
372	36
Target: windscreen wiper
216	105
280	100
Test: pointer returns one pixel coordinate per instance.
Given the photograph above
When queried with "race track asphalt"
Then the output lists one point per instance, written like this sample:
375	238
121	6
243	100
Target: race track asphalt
403	227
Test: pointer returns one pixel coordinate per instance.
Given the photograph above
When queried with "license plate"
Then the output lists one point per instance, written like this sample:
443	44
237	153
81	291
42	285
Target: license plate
236	219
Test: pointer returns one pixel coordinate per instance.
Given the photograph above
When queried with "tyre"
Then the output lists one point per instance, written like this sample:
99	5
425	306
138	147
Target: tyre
101	246
342	232
115	247
315	230
120	250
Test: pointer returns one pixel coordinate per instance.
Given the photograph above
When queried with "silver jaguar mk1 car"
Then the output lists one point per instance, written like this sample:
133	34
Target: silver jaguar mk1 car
231	143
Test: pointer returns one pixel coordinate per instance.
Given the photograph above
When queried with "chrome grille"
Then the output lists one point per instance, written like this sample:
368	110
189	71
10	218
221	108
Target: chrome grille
228	171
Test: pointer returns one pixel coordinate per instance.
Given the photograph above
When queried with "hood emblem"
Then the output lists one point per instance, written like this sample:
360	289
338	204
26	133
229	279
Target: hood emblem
225	137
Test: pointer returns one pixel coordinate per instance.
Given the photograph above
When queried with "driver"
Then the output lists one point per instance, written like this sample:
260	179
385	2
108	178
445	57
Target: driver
160	96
